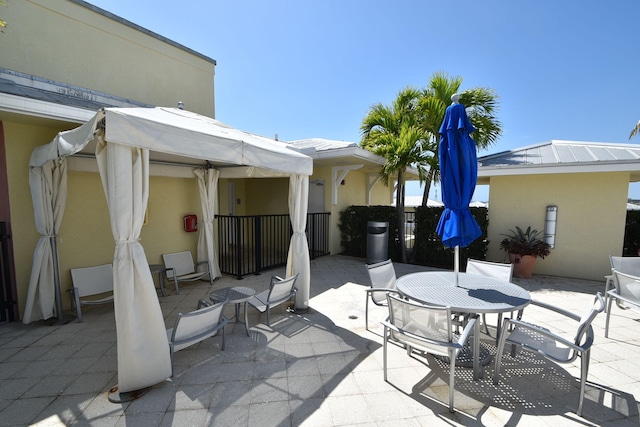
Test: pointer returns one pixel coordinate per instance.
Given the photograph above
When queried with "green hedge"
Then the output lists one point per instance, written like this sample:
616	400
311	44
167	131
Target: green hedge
428	248
632	234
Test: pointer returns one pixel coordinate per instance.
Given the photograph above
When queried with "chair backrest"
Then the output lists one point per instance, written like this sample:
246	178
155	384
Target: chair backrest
195	326
93	280
383	276
430	323
281	289
585	321
490	269
628	286
181	262
626	264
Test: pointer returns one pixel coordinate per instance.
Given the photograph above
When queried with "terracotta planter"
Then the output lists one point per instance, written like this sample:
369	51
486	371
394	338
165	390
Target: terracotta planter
522	265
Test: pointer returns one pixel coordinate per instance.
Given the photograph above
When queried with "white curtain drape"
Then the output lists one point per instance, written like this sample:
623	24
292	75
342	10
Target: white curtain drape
298	258
49	194
207	245
143	349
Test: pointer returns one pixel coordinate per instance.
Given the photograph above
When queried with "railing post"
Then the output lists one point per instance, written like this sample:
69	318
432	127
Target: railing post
258	245
311	226
238	231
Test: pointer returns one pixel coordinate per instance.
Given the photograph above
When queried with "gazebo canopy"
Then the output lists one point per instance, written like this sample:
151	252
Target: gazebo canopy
124	142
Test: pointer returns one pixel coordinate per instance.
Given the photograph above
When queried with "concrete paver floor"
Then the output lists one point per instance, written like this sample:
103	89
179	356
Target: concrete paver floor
320	368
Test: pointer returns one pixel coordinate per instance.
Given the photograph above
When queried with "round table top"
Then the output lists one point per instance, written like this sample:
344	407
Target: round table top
474	293
235	294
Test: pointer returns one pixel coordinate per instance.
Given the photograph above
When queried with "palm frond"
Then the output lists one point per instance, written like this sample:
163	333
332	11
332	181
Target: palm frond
635	130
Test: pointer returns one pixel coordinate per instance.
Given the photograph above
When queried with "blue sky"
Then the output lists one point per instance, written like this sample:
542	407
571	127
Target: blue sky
300	69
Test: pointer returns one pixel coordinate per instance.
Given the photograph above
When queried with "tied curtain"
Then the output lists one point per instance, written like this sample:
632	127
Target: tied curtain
298	257
143	349
207	247
49	195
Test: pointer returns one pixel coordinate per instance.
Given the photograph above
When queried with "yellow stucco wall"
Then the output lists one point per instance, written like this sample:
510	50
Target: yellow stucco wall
266	196
590	220
69	43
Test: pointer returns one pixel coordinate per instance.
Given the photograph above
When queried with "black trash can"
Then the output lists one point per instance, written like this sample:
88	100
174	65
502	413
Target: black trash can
377	241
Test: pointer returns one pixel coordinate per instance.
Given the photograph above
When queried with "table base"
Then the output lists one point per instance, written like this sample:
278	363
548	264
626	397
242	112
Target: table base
235	295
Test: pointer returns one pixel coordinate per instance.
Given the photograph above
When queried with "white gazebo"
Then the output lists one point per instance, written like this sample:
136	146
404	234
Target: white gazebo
124	142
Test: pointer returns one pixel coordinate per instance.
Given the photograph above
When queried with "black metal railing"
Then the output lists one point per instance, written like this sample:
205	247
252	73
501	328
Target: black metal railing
254	243
7	300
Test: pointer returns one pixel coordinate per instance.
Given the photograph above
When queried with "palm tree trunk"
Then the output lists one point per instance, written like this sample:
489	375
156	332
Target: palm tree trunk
427	187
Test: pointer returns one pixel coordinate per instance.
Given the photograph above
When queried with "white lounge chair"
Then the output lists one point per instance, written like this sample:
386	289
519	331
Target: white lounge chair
91	286
191	328
280	290
181	268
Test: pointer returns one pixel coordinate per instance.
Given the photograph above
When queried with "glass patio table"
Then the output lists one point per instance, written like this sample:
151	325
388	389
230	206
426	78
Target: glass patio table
474	294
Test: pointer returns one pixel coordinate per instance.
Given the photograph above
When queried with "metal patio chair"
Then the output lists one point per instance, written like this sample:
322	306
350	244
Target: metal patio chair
383	279
550	345
280	290
627	265
626	293
427	329
495	270
193	327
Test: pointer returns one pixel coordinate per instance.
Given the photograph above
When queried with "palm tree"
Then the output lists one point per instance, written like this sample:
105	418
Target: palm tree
395	133
635	131
481	104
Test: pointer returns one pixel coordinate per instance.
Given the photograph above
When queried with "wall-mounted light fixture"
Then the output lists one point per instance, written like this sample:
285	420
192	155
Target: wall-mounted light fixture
550	225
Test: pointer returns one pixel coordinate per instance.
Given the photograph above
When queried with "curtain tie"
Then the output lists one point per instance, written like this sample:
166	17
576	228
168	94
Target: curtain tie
120	242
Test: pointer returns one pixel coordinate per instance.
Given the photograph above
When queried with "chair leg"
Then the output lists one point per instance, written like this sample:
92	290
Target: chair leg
223	337
484	322
452	376
384	352
606	324
496	371
78	308
366	313
584	369
477	372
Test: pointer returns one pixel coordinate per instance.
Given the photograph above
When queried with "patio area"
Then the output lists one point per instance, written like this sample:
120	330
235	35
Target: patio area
321	368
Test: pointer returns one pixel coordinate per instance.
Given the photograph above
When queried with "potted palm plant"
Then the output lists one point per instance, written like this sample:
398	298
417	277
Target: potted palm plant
524	247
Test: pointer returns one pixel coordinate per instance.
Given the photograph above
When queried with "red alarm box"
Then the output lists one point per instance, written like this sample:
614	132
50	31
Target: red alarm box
190	223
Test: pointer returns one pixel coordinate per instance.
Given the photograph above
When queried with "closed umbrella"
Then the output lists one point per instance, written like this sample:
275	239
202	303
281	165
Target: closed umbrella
458	174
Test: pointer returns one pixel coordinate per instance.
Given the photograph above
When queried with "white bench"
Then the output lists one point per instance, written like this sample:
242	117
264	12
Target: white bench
181	268
88	282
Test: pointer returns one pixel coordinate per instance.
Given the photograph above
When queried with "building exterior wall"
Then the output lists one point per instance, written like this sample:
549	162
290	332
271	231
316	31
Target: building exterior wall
266	196
65	42
590	221
69	43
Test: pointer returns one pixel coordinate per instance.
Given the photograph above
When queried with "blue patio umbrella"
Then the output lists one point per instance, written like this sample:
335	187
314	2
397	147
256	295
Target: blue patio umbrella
458	175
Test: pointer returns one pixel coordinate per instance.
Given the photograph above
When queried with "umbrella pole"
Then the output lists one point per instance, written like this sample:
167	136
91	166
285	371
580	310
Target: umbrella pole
456	263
